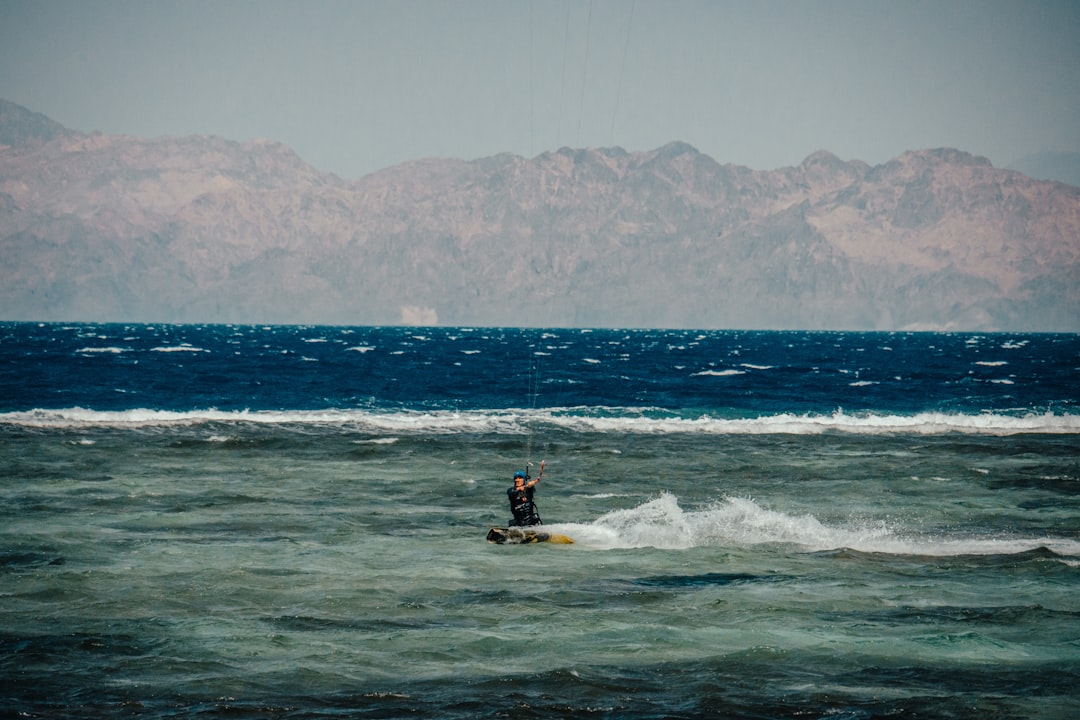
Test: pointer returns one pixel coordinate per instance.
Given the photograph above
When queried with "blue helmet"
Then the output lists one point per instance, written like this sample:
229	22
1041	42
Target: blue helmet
519	474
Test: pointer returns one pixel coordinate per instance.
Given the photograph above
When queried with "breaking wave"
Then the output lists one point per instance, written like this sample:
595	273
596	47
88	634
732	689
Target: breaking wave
605	420
741	522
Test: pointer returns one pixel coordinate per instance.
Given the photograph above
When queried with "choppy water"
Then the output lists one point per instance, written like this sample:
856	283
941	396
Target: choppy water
289	522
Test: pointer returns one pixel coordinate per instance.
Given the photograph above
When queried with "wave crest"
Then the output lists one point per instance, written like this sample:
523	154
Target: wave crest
604	420
741	522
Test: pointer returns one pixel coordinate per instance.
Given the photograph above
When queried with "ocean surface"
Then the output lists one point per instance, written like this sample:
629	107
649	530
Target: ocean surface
289	522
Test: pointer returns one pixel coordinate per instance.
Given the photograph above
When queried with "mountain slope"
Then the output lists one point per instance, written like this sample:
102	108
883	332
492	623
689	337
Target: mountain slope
1061	166
201	229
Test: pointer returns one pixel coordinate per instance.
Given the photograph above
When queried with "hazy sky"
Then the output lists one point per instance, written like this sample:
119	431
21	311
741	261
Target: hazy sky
357	85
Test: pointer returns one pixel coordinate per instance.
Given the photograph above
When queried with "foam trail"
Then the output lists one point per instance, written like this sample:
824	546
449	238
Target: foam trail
740	522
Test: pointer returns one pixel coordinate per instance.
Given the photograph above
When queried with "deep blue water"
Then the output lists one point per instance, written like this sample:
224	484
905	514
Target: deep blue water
687	374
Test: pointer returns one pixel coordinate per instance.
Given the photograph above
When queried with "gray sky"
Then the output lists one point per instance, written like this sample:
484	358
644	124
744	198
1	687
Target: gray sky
355	86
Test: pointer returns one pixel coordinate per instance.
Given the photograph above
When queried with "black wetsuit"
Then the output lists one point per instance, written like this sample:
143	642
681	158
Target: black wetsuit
521	504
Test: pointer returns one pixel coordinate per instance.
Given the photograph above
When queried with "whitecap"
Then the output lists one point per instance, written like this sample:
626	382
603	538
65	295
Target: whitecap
178	348
580	419
102	350
926	423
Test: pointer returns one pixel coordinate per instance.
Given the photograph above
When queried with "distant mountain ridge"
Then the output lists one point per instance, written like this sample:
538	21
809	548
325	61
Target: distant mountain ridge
1060	166
202	229
19	126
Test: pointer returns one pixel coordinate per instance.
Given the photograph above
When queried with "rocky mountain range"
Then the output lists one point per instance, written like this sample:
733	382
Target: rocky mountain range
203	229
1061	166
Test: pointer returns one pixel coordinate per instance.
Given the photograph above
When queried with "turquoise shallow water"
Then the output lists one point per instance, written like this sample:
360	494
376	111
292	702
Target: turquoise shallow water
224	534
289	572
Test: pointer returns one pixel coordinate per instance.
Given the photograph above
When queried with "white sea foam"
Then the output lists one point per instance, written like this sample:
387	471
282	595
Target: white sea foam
718	373
929	423
741	522
103	350
178	348
603	420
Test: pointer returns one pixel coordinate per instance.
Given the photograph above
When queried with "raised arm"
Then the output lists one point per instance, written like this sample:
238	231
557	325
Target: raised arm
537	478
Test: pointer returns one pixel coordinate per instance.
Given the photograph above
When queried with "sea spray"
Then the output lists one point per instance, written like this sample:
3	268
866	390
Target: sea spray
740	522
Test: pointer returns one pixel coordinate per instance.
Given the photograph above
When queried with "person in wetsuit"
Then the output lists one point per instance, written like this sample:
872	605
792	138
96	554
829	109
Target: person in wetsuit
521	501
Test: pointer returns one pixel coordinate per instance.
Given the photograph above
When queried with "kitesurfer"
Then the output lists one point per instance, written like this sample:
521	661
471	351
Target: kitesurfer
521	500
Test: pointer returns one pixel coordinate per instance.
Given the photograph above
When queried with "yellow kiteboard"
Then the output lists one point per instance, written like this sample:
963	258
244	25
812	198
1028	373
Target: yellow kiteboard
524	536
